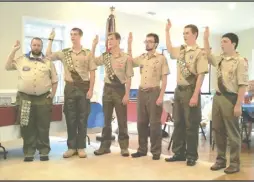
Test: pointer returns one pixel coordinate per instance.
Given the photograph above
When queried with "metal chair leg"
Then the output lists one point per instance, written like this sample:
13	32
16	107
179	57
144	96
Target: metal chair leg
88	139
170	143
202	130
4	150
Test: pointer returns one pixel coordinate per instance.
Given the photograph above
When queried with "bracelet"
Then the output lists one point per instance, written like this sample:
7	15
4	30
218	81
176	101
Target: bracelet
51	39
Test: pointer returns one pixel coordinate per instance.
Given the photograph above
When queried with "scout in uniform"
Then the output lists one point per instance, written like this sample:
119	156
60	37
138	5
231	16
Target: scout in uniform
192	65
116	92
79	71
232	76
37	76
154	70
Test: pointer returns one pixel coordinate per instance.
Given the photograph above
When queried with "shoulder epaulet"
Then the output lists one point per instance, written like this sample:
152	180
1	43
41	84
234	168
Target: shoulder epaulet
65	50
144	54
182	47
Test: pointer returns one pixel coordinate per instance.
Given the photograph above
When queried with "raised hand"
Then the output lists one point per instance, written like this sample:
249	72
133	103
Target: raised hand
168	25
52	34
130	38
95	40
17	46
206	33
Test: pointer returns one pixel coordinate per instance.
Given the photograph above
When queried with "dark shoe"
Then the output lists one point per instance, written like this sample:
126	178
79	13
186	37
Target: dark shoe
231	170
28	159
156	157
138	154
102	151
218	166
44	158
191	162
175	158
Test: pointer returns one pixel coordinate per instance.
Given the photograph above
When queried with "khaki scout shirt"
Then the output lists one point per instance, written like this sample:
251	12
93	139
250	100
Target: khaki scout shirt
234	71
35	77
196	61
82	63
123	68
151	69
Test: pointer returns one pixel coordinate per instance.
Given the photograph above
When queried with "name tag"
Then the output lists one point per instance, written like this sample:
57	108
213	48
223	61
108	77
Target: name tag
26	68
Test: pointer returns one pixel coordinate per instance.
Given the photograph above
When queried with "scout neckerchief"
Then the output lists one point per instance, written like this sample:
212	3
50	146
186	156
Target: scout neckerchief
107	57
186	73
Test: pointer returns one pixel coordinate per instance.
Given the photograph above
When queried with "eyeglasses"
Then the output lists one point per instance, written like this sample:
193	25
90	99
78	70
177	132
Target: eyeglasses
148	42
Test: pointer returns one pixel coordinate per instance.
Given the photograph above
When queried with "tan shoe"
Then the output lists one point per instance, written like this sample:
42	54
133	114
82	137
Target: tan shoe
125	152
82	153
69	153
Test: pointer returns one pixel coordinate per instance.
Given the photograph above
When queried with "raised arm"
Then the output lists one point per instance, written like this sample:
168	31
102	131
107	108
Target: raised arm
211	58
136	60
173	51
11	63
54	56
97	60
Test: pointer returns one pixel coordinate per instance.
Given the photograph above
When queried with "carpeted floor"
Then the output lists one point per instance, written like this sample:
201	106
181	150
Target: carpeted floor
108	167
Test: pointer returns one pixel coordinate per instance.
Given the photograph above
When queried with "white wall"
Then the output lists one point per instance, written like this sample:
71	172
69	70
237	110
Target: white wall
75	13
246	47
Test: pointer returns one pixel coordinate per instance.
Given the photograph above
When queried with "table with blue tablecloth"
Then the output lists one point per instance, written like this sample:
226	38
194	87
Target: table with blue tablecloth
96	116
249	108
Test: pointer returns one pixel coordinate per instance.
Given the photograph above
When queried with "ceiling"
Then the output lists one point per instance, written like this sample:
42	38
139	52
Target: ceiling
221	17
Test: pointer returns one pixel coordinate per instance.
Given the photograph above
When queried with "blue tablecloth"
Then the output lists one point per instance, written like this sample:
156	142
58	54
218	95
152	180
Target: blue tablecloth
96	117
248	107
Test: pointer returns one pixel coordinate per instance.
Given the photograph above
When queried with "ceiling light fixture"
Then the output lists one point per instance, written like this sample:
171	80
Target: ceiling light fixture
151	13
232	6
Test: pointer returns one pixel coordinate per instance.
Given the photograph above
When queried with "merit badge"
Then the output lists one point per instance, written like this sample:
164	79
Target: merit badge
26	68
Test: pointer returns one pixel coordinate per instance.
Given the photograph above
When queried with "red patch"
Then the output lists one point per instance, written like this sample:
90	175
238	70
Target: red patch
118	65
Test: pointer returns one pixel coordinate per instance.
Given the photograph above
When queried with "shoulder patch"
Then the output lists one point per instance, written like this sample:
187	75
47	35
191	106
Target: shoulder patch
182	47
65	50
143	55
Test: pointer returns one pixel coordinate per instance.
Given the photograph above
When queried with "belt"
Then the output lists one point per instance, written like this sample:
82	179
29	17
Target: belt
115	85
226	93
149	89
185	87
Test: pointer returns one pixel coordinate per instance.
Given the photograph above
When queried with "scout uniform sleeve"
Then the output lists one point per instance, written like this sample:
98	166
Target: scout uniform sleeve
98	60
242	72
92	65
165	67
56	56
14	64
129	69
202	63
212	59
53	73
137	61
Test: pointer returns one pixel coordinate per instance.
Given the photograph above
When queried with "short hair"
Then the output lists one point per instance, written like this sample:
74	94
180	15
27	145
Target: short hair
155	36
194	29
116	34
232	37
78	30
37	38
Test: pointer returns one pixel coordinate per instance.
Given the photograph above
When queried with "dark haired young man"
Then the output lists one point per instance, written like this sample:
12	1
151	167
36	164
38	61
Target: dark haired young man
154	70
232	76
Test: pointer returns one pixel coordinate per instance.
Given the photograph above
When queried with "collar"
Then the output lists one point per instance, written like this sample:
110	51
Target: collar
155	54
228	58
120	54
31	57
193	48
82	49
